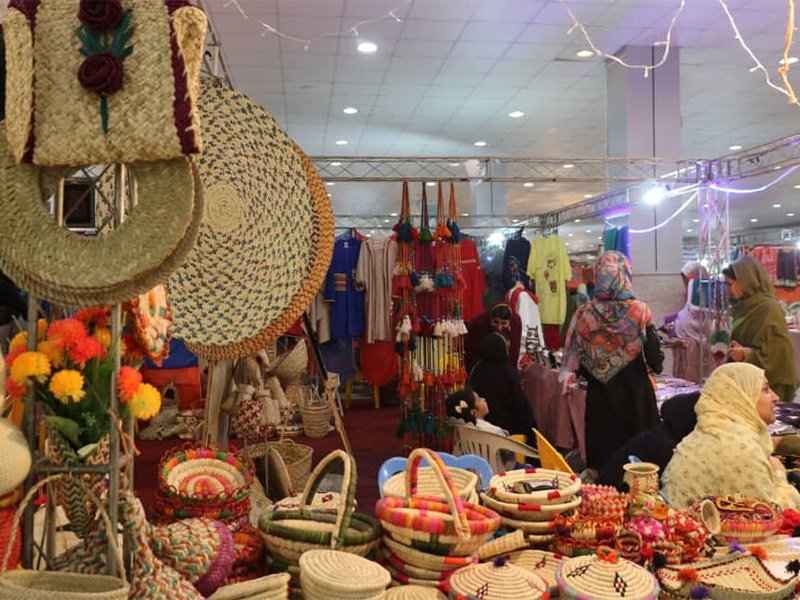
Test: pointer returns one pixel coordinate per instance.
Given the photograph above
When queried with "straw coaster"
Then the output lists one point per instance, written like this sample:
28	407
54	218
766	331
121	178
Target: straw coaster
267	236
269	587
74	270
425	560
341	575
413	592
566	486
497	580
539	562
601	579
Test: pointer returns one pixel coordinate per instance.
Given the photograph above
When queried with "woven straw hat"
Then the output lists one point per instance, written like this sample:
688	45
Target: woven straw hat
74	270
605	576
267	237
496	580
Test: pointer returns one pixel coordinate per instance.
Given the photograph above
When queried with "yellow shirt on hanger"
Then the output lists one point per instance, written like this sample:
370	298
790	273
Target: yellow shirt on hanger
548	266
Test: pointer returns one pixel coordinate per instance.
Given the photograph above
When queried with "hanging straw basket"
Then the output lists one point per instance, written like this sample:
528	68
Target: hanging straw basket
289	533
314	409
450	527
25	584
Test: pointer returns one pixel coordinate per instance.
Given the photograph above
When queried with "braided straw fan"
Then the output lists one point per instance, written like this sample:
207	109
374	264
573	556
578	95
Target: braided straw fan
54	120
267	214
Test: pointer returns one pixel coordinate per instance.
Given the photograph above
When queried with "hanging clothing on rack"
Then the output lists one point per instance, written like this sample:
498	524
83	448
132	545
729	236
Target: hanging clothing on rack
549	266
347	302
320	317
374	274
526	305
474	280
515	260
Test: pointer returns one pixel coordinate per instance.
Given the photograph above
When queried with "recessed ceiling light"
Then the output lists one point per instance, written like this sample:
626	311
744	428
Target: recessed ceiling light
735	147
778	168
392	214
329	195
464	214
588	231
791	61
455	164
387	221
584	54
599	237
688	231
797	187
566	243
695	220
577	220
341	142
480	144
350	110
329	183
515	220
776	205
568	166
369	235
367	47
516	114
570	234
431	183
336	164
789	214
754	220
587	195
528	184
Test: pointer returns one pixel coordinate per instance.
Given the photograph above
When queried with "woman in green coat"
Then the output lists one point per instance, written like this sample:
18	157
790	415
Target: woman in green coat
760	335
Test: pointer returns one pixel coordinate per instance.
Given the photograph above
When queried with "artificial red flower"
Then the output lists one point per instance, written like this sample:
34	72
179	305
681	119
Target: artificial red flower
128	383
14	354
66	333
96	315
14	390
84	350
102	74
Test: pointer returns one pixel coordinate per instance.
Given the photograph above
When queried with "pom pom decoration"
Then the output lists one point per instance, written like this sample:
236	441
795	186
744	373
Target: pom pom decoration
735	547
700	592
793	567
759	552
688	574
500	561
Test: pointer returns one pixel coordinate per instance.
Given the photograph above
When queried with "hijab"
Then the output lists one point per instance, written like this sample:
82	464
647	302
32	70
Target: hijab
609	332
730	396
759	322
481	326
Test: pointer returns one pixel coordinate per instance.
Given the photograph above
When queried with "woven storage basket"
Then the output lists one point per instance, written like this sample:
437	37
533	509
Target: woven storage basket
733	577
466	483
601	576
747	520
289	533
288	461
314	409
289	368
412	570
399	576
331	575
413	592
498	580
425	560
36	585
562	487
604	501
453	527
270	587
530	512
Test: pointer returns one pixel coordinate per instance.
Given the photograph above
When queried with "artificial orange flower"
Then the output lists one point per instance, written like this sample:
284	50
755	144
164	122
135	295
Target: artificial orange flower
131	349
13	354
30	365
18	341
96	315
66	333
54	354
103	335
84	350
128	383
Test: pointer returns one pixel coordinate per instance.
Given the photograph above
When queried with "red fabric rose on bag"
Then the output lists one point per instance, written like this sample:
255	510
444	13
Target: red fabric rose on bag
100	15
102	74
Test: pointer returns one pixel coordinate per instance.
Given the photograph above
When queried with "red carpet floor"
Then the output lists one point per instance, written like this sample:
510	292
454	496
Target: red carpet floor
372	438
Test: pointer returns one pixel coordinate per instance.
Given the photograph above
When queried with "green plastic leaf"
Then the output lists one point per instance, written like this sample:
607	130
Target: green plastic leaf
66	427
86	451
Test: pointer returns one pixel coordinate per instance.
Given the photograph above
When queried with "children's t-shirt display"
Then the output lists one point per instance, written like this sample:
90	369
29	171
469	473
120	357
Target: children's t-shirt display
548	266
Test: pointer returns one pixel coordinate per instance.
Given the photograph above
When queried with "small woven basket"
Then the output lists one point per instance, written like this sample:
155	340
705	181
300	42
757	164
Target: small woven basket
288	461
747	520
450	527
290	367
605	502
466	483
331	575
290	533
315	410
562	487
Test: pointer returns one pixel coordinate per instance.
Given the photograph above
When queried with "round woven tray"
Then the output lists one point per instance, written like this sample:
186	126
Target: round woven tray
542	563
565	486
330	575
196	474
530	512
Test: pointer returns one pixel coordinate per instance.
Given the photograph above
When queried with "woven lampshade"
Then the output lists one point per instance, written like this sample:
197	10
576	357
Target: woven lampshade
591	576
267	236
498	580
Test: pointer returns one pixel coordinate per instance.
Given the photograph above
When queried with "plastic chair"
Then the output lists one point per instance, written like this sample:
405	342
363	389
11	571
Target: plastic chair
487	445
549	456
470	462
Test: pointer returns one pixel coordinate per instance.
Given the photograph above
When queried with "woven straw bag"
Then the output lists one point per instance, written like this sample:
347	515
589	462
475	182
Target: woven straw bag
315	410
289	533
270	587
449	527
498	580
60	112
331	575
35	585
290	367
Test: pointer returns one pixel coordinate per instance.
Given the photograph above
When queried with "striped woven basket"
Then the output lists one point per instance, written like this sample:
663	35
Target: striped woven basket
452	527
560	487
290	533
530	512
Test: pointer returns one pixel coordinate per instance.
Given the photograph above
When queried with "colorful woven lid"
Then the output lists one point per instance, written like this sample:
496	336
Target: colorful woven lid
605	576
497	580
76	270
267	236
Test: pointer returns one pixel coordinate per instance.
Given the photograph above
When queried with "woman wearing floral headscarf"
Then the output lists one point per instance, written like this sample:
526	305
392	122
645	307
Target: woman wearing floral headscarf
730	450
612	342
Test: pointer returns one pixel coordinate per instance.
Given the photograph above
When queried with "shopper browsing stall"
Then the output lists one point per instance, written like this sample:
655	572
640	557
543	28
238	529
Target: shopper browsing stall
612	342
500	319
760	335
730	449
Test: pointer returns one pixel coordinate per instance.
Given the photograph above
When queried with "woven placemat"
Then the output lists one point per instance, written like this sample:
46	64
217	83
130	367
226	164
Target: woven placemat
267	236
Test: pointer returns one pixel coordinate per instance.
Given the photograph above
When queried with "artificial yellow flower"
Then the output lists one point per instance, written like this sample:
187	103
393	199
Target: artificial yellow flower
41	329
67	386
103	335
146	402
54	354
18	341
30	365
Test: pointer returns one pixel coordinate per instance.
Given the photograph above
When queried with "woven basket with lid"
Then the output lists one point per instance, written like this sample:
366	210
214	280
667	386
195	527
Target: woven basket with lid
497	580
605	576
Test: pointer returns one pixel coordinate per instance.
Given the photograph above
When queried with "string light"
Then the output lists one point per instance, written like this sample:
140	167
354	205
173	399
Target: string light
683	206
307	42
763	188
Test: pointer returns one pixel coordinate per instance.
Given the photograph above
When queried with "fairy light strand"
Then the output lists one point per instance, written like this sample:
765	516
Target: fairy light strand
683	206
307	42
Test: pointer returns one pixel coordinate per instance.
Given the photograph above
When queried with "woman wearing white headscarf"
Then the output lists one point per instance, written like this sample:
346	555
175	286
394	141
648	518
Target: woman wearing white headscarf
730	449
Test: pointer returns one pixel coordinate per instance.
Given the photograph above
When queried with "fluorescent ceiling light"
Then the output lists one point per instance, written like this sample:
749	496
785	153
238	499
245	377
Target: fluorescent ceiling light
367	47
587	195
688	231
350	110
754	220
464	214
431	183
392	214
480	144
341	142
584	53
336	164
516	114
776	205
387	221
528	184
735	147
568	166
496	239
329	183
695	220
570	234
455	164
789	214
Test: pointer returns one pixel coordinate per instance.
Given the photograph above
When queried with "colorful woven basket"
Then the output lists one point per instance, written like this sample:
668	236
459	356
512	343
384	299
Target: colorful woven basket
289	533
605	502
734	577
331	575
559	488
152	323
746	519
425	560
453	527
466	483
498	580
605	576
530	512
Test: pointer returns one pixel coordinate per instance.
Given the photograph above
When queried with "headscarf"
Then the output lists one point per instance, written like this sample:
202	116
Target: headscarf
759	323
494	348
609	332
730	396
481	326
